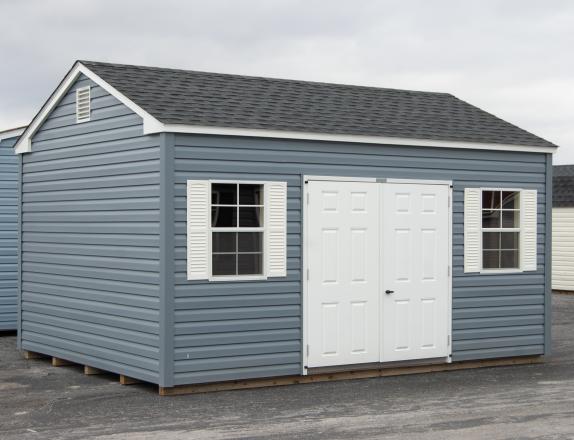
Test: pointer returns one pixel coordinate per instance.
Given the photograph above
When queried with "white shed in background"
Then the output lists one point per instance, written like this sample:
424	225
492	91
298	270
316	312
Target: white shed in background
563	228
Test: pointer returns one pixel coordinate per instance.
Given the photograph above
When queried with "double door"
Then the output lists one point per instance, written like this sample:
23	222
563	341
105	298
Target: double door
378	272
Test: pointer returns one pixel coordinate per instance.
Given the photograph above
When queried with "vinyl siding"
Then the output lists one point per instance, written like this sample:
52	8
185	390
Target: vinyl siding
563	248
8	235
236	330
90	238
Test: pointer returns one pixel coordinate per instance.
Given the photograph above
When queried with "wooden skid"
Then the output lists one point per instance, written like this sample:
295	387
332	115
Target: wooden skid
345	375
125	380
564	292
90	371
57	362
33	355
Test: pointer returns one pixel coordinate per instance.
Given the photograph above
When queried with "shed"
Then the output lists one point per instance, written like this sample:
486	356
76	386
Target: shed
563	228
186	228
8	230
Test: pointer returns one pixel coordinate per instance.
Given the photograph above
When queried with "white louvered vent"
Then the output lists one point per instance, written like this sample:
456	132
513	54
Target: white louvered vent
83	102
472	229
197	229
528	230
276	205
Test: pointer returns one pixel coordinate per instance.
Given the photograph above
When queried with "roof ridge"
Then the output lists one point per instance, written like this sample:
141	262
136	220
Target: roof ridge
268	78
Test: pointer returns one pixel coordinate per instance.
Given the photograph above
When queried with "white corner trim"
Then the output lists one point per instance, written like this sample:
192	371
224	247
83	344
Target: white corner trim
7	134
351	138
24	144
151	125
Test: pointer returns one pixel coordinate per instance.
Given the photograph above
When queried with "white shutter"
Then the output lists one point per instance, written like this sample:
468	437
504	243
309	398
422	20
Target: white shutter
528	209
276	228
197	229
472	229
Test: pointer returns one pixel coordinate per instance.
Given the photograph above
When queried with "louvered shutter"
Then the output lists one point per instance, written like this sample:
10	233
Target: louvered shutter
276	228
528	208
472	229
197	229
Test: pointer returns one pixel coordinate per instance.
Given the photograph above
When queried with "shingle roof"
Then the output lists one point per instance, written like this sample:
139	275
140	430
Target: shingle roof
563	185
221	100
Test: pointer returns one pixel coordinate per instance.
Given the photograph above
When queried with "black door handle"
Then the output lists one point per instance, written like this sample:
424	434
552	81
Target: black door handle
389	291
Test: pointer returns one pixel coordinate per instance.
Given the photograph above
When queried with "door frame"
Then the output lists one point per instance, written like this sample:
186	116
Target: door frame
305	254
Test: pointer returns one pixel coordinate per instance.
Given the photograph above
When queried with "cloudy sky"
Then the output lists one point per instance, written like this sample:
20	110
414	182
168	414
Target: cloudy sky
512	58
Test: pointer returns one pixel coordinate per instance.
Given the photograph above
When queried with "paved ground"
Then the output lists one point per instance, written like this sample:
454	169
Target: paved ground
38	401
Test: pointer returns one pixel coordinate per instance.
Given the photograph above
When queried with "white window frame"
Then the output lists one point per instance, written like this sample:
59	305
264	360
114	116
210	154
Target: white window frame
518	269
263	275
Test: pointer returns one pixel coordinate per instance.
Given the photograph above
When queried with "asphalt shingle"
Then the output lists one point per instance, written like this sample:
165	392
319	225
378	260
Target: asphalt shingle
221	100
563	186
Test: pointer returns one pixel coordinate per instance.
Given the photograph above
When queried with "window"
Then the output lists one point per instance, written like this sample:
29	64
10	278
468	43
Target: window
83	104
500	229
237	229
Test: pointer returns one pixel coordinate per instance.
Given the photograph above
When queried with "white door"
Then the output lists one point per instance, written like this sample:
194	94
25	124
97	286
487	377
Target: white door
415	267
343	297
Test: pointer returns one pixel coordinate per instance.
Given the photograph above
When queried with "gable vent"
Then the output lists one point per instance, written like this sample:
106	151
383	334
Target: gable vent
83	104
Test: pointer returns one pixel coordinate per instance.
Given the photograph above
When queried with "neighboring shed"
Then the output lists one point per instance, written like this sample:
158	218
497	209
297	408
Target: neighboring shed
8	229
184	227
563	228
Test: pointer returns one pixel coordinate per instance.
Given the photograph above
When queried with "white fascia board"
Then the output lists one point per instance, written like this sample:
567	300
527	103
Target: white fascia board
350	138
24	144
7	134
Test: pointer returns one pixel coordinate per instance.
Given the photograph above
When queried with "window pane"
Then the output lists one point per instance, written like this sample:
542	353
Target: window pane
250	241
490	199
224	194
491	240
509	240
224	242
509	259
510	200
250	195
510	219
223	217
250	264
250	217
224	264
490	259
490	219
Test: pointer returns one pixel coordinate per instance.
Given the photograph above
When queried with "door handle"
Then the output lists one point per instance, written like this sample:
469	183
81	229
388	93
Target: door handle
389	291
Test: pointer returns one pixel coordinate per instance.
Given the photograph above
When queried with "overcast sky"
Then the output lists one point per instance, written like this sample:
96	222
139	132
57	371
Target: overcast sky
512	58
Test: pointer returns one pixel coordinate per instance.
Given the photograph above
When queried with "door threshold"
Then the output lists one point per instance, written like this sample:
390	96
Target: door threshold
377	365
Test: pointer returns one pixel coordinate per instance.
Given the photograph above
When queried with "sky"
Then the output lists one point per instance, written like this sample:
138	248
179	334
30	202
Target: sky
514	59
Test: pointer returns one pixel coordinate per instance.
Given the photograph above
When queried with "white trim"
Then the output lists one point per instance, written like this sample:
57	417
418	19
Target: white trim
252	277
508	270
12	133
420	182
352	138
339	179
152	125
24	144
305	252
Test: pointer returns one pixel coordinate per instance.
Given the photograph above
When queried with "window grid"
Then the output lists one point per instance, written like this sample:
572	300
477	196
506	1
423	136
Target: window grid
501	228
238	228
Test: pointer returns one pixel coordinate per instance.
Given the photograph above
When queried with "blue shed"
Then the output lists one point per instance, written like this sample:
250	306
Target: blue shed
8	229
188	228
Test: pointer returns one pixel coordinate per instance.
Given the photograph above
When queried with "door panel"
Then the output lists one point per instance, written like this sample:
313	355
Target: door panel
415	269
343	300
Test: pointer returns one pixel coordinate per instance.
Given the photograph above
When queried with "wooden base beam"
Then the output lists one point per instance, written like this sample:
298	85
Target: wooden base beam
57	362
91	371
563	292
345	375
125	380
33	355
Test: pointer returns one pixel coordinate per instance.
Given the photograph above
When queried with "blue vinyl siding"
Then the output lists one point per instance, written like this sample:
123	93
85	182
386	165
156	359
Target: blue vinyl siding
91	238
236	330
8	235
